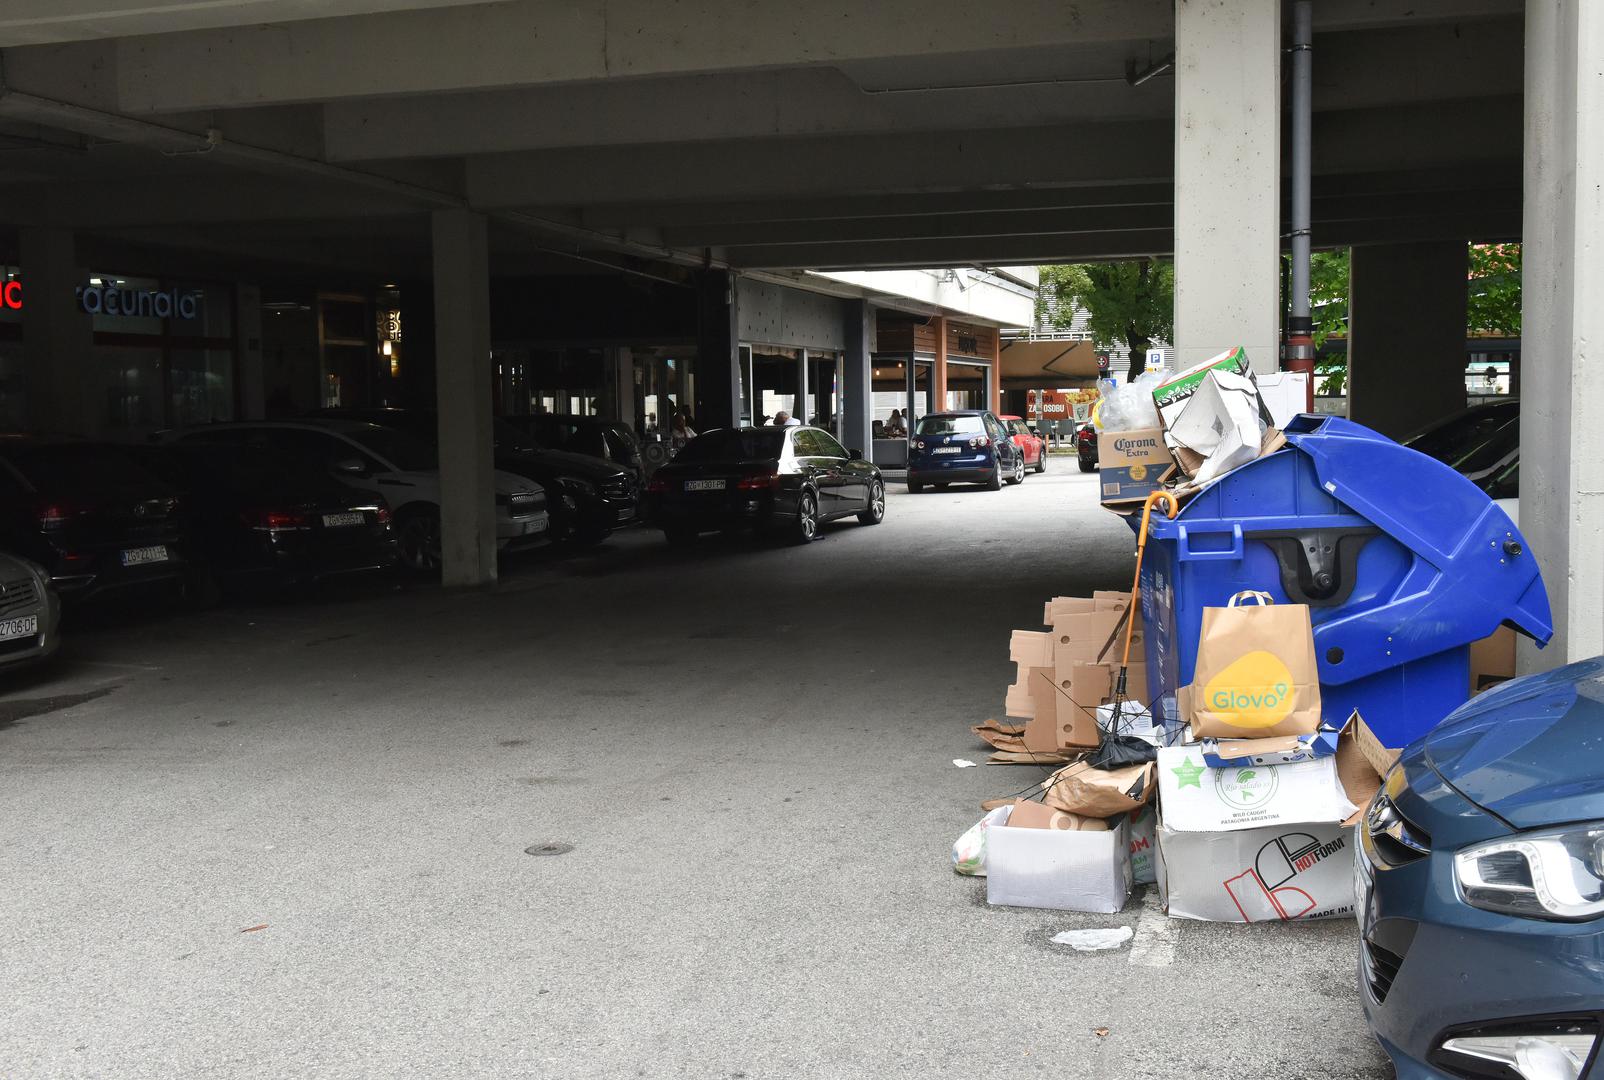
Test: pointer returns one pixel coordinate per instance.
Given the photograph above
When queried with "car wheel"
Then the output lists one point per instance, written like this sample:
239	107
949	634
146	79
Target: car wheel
807	518
680	536
418	533
1041	461
994	482
1018	476
876	513
915	487
1086	466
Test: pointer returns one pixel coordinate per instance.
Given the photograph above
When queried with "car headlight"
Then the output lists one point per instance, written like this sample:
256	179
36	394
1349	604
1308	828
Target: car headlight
1550	875
578	487
1535	1050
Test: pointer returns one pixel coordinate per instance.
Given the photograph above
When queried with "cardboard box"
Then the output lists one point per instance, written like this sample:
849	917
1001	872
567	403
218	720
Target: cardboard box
1196	798
1029	814
1053	868
1144	846
1061	722
1101	600
1285	394
1171	394
1272	873
1132	464
1221	421
1492	659
1027	649
1277	750
1092	637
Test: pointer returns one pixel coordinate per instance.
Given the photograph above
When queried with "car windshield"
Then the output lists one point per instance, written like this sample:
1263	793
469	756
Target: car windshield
729	445
1464	440
401	451
951	425
79	467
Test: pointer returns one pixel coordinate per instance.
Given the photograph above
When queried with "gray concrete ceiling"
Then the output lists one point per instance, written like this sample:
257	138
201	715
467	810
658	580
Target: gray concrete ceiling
813	134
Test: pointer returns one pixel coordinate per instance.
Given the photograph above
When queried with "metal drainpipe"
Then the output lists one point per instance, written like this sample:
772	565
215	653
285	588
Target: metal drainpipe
1299	352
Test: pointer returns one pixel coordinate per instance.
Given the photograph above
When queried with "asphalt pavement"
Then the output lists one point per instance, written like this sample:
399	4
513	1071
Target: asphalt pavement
289	838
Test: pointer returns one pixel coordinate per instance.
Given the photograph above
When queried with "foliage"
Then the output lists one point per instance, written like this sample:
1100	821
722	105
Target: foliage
1130	303
1493	304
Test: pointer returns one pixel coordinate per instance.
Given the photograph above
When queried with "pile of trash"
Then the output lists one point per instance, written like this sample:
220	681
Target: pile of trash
1239	810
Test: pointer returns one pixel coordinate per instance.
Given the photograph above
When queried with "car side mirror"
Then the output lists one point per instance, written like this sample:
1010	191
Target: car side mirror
350	467
855	455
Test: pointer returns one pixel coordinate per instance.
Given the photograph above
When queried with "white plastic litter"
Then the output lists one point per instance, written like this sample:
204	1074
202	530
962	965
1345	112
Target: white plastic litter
969	853
1130	407
963	763
1093	940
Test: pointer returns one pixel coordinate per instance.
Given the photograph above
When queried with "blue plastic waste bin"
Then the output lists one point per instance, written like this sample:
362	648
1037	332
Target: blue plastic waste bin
1402	561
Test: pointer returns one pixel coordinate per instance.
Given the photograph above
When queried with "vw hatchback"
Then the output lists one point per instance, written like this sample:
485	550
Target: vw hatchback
968	447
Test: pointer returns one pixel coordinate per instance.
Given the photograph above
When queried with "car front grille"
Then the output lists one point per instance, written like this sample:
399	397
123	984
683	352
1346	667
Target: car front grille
526	504
1381	968
17	594
618	488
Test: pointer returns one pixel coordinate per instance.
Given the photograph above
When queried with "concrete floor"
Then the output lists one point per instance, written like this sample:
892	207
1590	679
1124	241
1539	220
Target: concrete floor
748	748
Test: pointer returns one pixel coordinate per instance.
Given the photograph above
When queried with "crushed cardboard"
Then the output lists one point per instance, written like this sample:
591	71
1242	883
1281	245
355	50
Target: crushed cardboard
1104	793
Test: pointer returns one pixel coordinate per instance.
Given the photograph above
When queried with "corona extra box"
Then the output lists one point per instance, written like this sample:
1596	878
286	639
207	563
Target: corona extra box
1131	463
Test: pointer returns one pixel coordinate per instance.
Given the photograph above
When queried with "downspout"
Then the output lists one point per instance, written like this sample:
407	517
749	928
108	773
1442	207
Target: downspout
1298	354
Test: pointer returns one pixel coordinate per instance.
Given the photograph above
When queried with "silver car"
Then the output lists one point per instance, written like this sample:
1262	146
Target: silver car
30	612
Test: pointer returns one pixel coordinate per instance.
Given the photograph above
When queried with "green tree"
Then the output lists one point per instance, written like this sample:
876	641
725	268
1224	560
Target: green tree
1328	309
1493	304
1129	303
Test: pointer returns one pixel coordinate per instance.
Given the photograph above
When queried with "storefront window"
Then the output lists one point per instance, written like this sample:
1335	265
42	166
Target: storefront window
128	390
200	386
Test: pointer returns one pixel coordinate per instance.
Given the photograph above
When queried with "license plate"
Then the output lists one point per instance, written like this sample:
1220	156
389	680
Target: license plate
704	485
139	556
949	450
1362	882
11	629
537	524
336	521
626	514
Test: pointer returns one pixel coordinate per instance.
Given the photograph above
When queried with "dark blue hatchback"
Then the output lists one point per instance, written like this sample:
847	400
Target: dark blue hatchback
963	447
1480	876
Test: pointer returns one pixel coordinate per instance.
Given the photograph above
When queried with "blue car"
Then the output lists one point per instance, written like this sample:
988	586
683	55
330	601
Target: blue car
967	446
1480	877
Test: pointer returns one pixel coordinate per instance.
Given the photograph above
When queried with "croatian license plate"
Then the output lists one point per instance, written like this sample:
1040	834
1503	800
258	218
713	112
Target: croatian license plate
336	521
140	556
11	629
949	450
538	524
704	485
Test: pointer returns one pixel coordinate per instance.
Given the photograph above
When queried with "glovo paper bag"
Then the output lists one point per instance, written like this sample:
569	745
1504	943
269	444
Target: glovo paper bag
1255	674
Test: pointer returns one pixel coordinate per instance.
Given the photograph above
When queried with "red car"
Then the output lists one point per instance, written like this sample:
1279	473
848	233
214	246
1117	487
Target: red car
1032	445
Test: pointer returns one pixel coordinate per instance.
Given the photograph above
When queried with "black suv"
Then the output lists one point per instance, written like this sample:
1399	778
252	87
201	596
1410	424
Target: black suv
586	497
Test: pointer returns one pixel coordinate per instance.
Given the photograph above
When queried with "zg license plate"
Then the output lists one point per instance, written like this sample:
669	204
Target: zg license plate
336	521
11	629
704	485
949	450
140	556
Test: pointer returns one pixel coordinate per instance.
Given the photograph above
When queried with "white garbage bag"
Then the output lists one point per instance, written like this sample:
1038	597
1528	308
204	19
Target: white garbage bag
969	853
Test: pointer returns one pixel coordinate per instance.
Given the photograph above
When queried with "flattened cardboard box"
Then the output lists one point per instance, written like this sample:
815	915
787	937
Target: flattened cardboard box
1273	873
1060	722
1132	464
1196	798
1027	649
1054	868
1101	600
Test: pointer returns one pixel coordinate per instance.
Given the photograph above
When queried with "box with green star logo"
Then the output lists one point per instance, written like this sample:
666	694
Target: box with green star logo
1196	798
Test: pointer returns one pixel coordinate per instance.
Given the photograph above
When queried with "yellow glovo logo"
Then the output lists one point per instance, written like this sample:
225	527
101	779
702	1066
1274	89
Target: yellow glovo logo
1254	691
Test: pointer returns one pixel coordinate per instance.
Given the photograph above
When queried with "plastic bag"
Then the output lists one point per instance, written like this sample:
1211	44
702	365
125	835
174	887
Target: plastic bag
1130	407
969	853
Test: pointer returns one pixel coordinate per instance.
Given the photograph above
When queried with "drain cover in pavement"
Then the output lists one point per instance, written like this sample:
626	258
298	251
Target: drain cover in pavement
553	847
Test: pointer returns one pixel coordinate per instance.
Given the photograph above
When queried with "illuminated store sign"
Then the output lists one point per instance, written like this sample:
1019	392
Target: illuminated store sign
144	303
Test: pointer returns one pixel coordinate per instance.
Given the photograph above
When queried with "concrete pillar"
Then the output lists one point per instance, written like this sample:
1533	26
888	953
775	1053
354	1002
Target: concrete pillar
621	371
248	369
938	368
462	380
57	336
1227	179
718	352
1406	334
996	374
857	376
801	409
1562	344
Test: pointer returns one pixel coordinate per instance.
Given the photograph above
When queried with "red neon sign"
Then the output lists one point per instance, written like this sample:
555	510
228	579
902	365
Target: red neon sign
11	295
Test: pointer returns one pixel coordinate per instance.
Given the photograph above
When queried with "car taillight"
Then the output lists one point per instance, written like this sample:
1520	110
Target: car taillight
272	521
54	515
979	442
916	444
657	486
762	481
382	515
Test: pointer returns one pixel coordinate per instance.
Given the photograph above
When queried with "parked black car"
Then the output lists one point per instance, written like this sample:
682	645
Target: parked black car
94	519
1086	447
782	480
257	515
608	440
586	497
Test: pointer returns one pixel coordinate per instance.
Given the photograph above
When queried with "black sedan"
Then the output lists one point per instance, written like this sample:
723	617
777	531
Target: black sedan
271	518
785	481
588	498
97	522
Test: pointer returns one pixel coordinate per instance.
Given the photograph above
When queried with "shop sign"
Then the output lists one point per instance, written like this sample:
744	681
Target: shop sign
11	295
142	303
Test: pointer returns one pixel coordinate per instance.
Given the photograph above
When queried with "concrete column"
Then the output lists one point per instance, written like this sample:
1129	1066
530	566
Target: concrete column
1227	179
996	374
938	368
252	392
801	409
621	371
1562	346
57	337
718	352
1406	334
857	376
462	380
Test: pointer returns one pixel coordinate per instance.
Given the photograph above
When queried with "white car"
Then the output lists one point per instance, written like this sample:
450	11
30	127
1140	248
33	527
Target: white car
30	613
395	466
